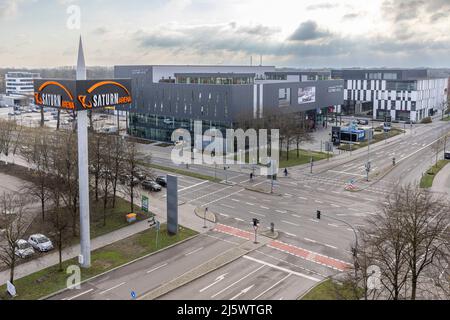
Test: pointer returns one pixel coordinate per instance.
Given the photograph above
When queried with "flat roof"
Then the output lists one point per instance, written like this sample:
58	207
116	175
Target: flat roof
214	74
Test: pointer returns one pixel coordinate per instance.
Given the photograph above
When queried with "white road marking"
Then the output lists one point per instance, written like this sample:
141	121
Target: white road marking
334	225
157	268
296	216
227	206
315	221
335	205
257	214
224	215
330	246
291	223
318	201
192	252
250	204
79	295
302	198
239	219
310	240
195	185
207	204
209	194
115	287
265	208
236	282
264	263
236	200
348	173
265	291
218	279
246	290
281	211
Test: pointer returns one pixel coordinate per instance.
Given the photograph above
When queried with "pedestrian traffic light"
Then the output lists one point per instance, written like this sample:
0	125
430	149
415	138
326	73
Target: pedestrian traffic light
319	214
255	222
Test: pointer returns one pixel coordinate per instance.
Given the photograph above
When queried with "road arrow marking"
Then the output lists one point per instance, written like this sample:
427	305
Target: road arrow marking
219	279
246	290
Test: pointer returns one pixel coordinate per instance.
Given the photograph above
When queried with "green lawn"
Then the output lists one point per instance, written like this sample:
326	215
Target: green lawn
305	157
47	281
181	172
329	290
428	178
446	118
116	217
376	138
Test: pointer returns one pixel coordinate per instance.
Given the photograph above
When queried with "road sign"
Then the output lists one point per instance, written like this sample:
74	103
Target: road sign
158	225
11	289
145	204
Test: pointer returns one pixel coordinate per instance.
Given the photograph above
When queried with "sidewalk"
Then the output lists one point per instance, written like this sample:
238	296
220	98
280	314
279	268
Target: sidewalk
441	183
186	218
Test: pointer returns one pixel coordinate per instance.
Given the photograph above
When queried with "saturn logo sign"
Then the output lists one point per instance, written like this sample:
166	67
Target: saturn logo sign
61	98
98	97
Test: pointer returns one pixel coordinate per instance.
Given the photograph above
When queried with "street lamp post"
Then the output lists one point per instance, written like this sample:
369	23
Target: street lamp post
204	218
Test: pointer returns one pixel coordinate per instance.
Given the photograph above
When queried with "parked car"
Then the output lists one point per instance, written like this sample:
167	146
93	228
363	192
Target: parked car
40	242
23	249
162	181
447	156
363	122
151	185
139	175
126	179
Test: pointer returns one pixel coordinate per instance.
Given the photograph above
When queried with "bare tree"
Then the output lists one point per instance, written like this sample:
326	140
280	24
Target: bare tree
13	218
59	218
95	156
424	220
7	131
130	169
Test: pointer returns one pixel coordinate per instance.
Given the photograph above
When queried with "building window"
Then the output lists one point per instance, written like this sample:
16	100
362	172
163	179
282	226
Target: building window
284	97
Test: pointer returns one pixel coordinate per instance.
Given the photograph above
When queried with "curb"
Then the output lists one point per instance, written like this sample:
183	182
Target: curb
121	266
311	289
211	217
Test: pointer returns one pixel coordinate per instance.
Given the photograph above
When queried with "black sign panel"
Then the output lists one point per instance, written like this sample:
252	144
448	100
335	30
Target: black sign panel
336	136
82	94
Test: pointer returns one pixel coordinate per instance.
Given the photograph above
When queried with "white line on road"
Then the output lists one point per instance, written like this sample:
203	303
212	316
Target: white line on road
265	291
257	214
348	173
239	219
265	208
79	295
302	198
281	211
195	251
264	263
309	240
296	216
227	206
334	225
209	203
330	246
335	205
193	186
315	221
291	223
245	277
236	200
250	204
154	269
115	287
224	215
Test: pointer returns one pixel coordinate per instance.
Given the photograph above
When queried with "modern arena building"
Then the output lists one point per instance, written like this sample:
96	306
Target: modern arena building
166	98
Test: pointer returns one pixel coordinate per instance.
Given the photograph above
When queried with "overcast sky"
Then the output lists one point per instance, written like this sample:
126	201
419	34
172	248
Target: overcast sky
293	33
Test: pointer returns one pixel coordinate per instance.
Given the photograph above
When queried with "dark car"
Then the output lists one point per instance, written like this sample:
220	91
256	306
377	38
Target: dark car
128	180
139	175
447	156
151	185
162	181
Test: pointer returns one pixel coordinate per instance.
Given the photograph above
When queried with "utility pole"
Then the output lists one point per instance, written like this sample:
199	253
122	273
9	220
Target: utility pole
204	218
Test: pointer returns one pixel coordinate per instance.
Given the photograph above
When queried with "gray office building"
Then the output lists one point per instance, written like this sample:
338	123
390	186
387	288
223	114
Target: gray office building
166	98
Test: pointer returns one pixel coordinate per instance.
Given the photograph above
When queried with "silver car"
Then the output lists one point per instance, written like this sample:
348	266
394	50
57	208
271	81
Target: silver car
40	242
23	249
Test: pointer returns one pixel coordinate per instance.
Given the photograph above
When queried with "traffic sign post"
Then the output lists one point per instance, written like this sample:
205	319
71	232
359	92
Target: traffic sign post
255	227
158	227
145	204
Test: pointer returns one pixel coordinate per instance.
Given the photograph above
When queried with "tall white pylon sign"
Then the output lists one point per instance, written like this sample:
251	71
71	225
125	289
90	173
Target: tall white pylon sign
83	172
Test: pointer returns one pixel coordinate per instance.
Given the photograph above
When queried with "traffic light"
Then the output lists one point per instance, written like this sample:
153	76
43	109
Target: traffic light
255	222
319	214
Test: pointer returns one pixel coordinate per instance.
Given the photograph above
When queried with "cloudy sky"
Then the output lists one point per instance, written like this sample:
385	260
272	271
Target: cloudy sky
293	33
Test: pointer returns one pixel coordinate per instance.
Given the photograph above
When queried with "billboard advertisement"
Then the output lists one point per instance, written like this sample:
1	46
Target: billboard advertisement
82	94
306	95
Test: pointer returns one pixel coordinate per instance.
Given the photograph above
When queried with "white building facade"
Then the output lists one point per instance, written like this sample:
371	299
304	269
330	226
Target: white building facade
404	94
20	82
401	100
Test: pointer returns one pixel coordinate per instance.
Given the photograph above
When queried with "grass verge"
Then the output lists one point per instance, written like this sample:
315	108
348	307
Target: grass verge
376	138
181	172
330	290
47	281
428	178
303	157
